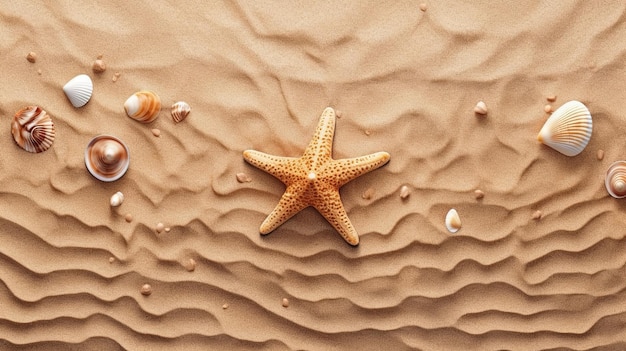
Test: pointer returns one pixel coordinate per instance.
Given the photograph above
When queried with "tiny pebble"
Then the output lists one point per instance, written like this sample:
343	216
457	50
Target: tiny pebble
338	113
100	56
243	178
551	98
190	265
39	72
537	215
111	259
31	57
404	192
160	227
146	290
547	108
479	194
167	229
115	77
99	66
128	217
480	108
224	306
368	194
600	154
285	302
156	132
368	132
423	7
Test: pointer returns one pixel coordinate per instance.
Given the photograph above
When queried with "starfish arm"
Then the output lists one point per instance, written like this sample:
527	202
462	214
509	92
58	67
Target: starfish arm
321	146
339	172
289	204
278	166
332	209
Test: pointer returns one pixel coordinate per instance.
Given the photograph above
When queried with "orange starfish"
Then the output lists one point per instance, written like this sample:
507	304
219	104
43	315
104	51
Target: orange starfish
315	178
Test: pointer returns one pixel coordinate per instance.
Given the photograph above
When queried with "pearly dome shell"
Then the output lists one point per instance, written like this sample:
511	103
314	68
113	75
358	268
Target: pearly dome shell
568	129
180	110
143	106
453	221
33	129
78	90
107	158
615	180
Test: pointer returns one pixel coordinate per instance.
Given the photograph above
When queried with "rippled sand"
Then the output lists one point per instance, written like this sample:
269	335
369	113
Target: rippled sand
258	76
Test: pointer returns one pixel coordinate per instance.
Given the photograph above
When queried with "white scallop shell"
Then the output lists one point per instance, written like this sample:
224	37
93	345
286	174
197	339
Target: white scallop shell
615	180
117	199
568	130
453	221
79	90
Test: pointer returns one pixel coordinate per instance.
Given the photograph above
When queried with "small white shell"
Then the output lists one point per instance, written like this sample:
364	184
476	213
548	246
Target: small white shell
143	106
79	90
180	110
568	129
615	180
117	199
480	108
453	221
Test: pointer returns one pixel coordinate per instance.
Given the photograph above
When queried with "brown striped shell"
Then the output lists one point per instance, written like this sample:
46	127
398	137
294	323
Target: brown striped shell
180	110
143	106
33	129
615	180
107	158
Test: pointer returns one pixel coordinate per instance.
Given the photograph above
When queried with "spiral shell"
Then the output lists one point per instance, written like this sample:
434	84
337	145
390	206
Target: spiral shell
33	129
143	106
568	130
615	180
107	158
78	90
180	110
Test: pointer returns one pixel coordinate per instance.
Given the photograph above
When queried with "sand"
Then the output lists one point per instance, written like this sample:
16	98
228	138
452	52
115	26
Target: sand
257	75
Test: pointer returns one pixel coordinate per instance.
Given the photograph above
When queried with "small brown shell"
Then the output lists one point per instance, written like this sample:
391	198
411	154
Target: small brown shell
180	110
33	129
143	106
107	158
615	180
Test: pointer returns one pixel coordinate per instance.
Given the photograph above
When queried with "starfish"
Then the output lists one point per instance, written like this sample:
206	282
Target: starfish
314	179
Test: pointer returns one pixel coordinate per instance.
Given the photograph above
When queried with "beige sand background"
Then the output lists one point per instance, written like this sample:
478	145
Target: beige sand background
258	74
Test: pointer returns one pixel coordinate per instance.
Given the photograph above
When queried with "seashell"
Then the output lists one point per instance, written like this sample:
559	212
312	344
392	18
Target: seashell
180	110
33	129
107	158
480	108
453	221
143	106
568	129
117	199
615	180
79	90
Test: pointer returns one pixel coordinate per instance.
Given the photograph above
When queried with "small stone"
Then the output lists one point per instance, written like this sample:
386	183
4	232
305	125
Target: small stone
100	56
225	306
338	113
146	290
423	7
285	302
404	192
368	132
99	66
368	194
548	108
480	108
160	227
537	215
167	229
39	72
600	154
478	194
551	98
116	76
111	259
190	265
243	178
156	132
128	217
31	57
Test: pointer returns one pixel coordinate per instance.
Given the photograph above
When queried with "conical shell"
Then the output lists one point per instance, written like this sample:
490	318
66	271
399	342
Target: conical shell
180	110
568	130
143	106
32	129
615	180
79	90
107	158
453	221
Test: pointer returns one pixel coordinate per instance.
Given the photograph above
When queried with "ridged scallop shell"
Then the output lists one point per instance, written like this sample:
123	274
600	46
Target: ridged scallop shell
568	130
615	180
107	158
180	110
143	106
453	221
33	129
79	90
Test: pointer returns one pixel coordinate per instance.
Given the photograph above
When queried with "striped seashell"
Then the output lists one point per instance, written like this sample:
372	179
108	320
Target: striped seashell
33	129
568	129
143	106
78	90
107	158
615	180
453	221
180	110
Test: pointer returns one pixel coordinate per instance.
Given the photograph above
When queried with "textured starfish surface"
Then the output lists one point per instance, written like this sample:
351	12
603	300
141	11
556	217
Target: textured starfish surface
315	178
